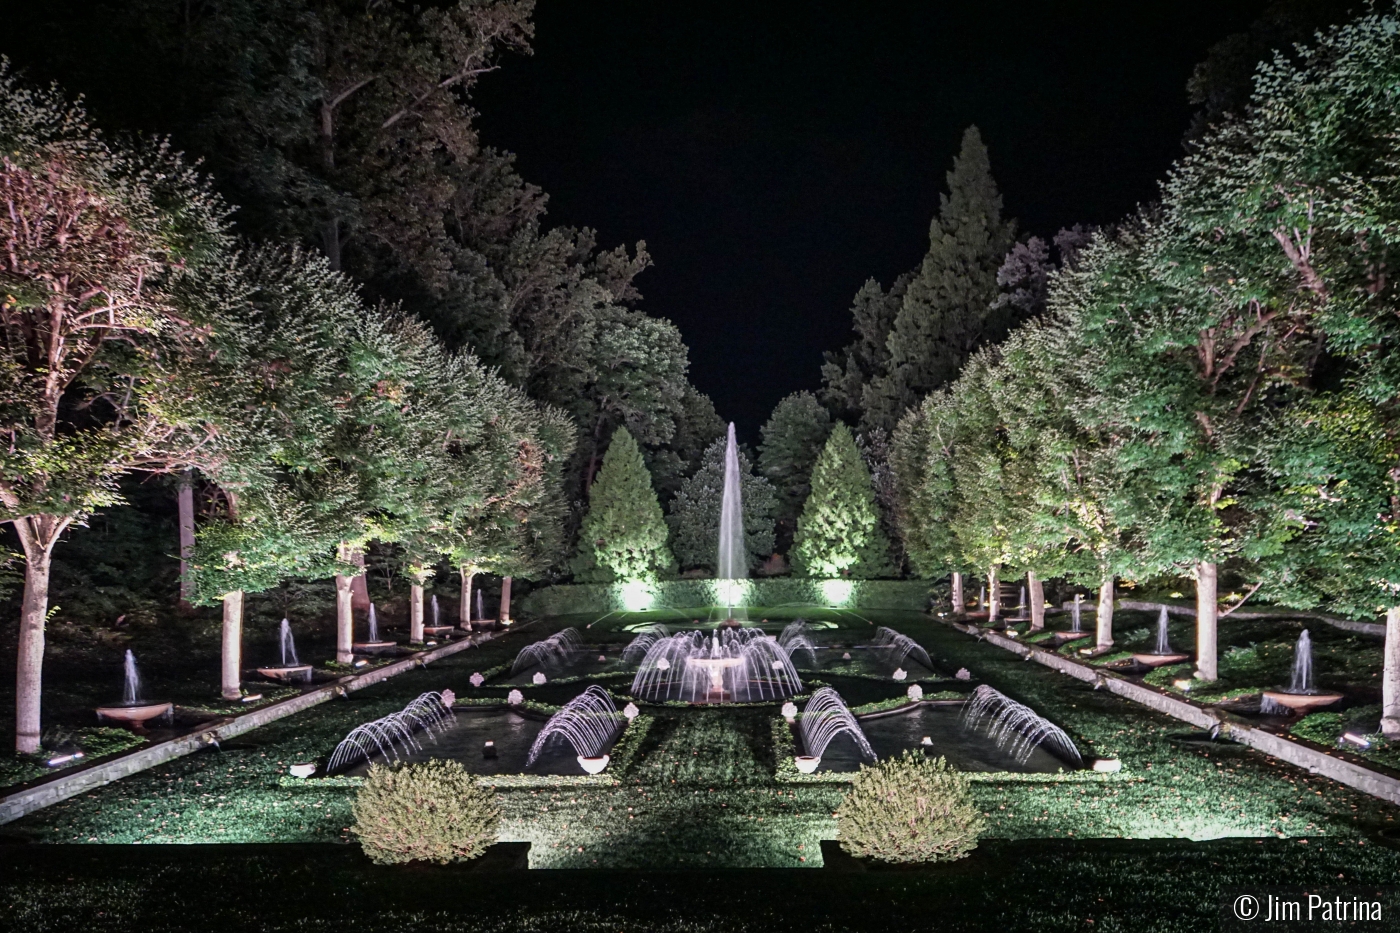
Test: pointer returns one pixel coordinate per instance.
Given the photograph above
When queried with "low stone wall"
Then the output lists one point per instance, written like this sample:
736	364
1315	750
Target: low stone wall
72	782
600	598
1307	756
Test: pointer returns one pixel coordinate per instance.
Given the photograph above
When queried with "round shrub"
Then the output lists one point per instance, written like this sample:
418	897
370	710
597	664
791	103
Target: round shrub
909	809
432	811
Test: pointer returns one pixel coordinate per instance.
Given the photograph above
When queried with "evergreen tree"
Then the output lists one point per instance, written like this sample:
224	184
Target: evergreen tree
624	534
838	534
792	438
695	512
846	373
947	312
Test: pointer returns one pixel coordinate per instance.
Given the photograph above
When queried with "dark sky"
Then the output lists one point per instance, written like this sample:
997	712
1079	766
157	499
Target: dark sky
774	160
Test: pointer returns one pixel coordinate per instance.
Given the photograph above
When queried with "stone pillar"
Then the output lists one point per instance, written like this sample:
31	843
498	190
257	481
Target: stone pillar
505	600
1104	618
415	613
233	645
959	606
1390	680
1207	622
1037	592
464	605
344	621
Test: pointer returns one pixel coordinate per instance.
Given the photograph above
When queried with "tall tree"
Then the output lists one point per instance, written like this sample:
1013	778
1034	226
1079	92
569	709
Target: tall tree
695	512
846	373
793	436
110	277
838	533
624	534
947	312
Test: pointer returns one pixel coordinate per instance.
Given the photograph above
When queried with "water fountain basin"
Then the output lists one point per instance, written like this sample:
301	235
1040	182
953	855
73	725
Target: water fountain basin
715	667
292	673
1160	660
594	764
807	764
373	647
1302	702
136	715
437	630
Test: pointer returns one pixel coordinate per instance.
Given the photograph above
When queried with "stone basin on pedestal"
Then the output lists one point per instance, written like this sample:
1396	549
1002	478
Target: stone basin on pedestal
290	674
1160	660
134	715
1301	702
716	668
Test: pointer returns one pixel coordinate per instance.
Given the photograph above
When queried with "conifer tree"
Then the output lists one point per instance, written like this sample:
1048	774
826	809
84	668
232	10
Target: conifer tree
846	373
695	511
947	312
624	534
839	532
792	439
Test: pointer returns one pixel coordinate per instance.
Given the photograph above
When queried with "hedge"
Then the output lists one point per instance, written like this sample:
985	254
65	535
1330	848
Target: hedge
599	598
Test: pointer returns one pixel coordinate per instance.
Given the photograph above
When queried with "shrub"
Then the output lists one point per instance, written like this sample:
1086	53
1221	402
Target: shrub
433	811
909	809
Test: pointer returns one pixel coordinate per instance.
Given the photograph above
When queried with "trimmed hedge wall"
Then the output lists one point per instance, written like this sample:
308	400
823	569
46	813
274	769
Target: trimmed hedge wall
694	594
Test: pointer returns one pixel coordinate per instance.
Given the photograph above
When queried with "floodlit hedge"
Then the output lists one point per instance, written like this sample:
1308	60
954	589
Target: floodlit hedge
432	811
909	809
847	594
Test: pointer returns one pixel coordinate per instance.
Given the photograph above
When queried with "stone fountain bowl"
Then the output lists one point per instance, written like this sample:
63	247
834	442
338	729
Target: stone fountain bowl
135	715
1160	660
807	764
1072	636
437	629
373	647
1302	702
296	673
594	764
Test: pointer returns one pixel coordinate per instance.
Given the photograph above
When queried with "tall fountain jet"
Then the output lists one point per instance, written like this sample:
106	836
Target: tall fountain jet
733	556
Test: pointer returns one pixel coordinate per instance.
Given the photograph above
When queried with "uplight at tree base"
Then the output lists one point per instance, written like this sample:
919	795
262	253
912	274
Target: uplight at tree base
837	593
732	593
636	596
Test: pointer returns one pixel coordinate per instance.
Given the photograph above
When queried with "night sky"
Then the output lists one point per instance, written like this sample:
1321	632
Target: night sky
774	161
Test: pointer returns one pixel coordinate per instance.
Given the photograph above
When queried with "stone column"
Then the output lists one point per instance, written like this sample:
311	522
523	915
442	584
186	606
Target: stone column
505	599
415	613
344	621
993	593
959	605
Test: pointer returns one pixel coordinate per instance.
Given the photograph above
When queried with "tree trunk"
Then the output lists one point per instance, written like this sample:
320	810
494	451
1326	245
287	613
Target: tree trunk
344	621
1037	591
1207	622
359	583
415	613
993	593
1104	617
233	645
1390	683
37	534
505	600
185	498
959	605
464	610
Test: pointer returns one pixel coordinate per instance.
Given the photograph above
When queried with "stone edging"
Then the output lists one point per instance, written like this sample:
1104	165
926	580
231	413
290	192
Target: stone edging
1304	756
68	784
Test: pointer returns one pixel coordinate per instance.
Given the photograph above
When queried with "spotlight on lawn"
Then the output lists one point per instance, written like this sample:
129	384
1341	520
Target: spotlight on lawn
1356	740
63	759
636	596
837	593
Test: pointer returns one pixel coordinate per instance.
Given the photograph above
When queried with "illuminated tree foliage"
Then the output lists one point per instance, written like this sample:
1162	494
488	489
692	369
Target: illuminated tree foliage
838	534
624	534
792	438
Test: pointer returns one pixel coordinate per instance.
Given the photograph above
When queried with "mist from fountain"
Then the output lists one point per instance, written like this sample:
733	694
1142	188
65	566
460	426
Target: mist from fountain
901	646
289	647
435	611
794	638
1077	614
588	722
373	625
480	607
1163	646
1016	727
638	647
551	654
824	718
131	681
392	736
730	665
1302	680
